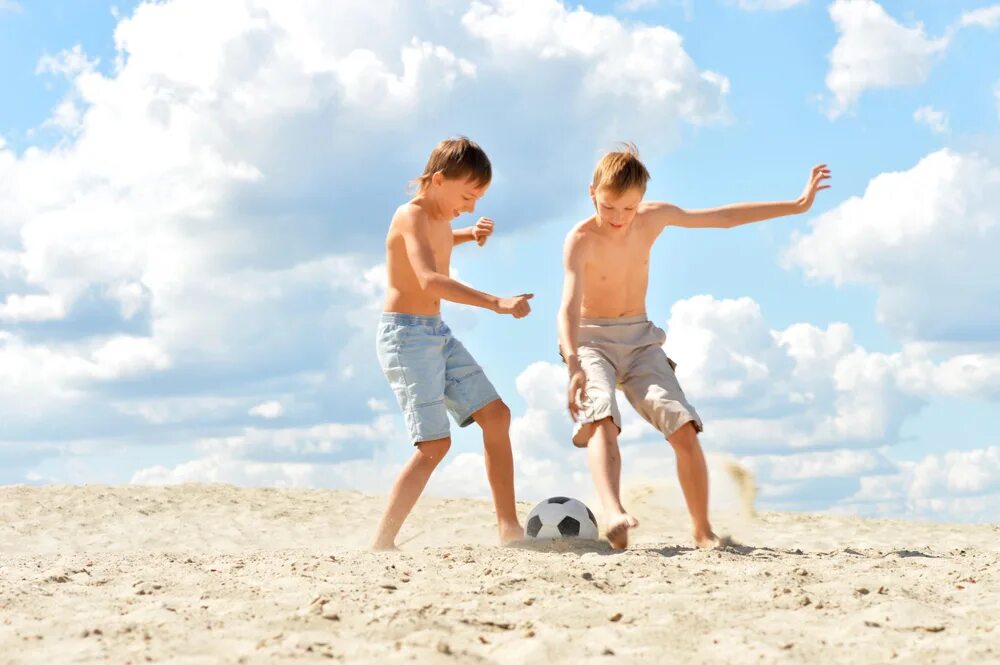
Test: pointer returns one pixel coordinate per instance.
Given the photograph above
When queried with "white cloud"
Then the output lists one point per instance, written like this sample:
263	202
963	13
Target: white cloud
378	405
804	466
936	120
31	307
643	65
782	390
913	235
269	410
959	485
345	455
985	17
874	51
187	201
636	5
768	5
352	475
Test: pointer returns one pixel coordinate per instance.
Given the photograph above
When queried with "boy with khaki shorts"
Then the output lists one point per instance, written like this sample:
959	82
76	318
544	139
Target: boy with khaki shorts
607	342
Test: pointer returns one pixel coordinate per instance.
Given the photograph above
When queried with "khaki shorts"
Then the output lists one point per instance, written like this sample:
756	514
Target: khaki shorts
627	353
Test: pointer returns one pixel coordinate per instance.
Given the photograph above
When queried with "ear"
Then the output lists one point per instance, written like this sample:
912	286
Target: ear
437	178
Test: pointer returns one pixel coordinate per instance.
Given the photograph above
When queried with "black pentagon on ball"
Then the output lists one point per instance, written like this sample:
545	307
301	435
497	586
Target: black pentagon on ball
569	527
592	518
534	526
558	499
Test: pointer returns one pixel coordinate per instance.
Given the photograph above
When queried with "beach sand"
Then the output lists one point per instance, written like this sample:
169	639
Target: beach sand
214	573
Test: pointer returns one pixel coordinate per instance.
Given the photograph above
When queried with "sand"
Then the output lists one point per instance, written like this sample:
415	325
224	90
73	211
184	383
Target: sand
212	573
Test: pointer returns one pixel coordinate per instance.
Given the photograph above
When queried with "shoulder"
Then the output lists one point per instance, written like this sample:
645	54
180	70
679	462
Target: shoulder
579	239
409	217
582	233
657	213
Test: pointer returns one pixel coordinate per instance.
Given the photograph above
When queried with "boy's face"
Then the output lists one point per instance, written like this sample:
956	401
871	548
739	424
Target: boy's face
615	211
456	195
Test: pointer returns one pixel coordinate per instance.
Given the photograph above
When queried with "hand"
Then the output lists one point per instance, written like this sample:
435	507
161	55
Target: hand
816	178
518	305
577	392
482	230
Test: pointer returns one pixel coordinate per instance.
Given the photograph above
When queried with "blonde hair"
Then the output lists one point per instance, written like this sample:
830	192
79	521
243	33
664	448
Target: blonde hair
621	170
457	158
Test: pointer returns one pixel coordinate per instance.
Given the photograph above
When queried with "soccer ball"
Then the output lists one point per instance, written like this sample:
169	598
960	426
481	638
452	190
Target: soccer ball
561	517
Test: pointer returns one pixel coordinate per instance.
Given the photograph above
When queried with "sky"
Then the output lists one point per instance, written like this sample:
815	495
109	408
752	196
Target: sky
194	199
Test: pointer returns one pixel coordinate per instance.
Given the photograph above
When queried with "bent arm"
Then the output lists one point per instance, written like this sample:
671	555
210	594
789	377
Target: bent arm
458	236
418	250
572	297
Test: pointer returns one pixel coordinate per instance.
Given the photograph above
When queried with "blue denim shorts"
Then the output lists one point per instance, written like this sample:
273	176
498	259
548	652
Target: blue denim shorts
431	374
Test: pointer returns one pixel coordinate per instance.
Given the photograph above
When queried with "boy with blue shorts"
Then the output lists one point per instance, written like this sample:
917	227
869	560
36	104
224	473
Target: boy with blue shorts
431	372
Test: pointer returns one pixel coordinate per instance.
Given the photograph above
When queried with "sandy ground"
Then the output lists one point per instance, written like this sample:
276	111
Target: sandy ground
207	574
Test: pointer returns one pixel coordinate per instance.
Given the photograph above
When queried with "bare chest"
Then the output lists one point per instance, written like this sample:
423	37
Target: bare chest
617	267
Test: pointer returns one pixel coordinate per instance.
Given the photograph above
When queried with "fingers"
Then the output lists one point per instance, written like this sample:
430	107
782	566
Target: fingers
484	229
577	396
521	307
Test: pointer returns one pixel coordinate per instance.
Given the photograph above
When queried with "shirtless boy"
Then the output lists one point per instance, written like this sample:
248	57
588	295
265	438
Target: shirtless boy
607	341
429	370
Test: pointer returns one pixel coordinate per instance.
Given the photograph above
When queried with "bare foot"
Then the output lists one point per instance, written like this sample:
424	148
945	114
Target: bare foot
707	540
384	547
510	533
617	530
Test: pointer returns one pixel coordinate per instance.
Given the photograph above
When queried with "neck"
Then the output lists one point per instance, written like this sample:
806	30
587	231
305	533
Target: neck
432	207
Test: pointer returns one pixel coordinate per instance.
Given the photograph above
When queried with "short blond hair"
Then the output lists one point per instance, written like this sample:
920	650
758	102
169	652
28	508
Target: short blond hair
621	171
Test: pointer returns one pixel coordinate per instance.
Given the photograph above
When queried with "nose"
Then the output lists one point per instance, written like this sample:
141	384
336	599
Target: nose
471	207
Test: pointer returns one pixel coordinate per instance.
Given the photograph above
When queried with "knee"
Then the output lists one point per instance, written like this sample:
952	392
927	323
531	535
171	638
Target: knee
608	428
493	416
432	452
685	439
605	427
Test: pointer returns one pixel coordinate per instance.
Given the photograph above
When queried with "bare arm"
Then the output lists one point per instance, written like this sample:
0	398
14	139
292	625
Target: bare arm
482	230
569	319
418	250
459	236
737	214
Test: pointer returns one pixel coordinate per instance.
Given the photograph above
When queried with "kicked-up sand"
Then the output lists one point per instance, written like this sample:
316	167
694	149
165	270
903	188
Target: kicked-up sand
219	574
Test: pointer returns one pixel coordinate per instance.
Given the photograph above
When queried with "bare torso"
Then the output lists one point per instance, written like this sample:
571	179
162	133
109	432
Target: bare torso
403	293
615	269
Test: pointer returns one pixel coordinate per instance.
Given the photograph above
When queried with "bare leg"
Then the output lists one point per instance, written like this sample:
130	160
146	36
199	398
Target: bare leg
494	419
407	489
606	470
693	475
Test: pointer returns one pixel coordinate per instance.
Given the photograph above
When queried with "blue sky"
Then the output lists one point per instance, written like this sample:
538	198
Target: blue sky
190	253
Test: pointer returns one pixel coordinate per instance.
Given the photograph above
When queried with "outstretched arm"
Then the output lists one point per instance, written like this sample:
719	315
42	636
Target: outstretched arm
482	230
665	214
569	320
418	250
